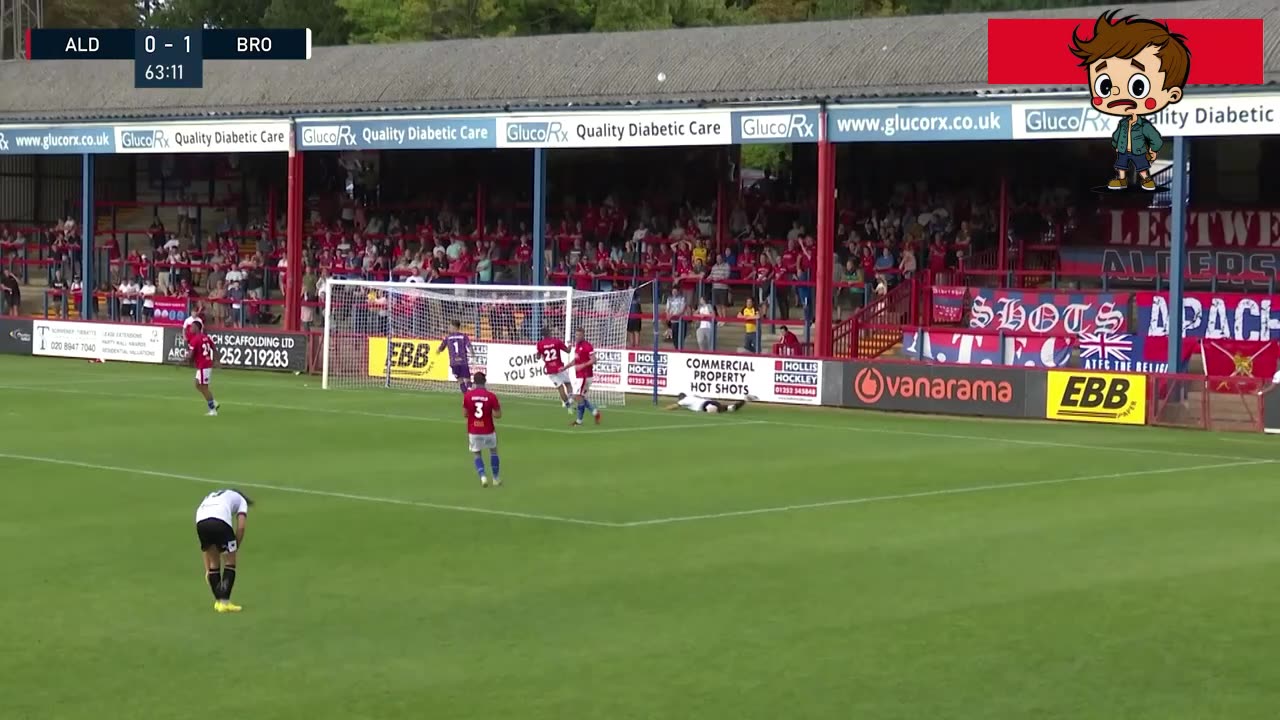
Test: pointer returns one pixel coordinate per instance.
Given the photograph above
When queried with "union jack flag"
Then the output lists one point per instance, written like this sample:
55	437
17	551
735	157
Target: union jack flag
1106	347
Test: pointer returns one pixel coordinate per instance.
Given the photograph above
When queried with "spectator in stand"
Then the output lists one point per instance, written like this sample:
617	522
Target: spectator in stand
602	274
524	261
234	292
440	266
788	343
217	302
852	293
719	276
148	294
58	293
748	314
706	325
634	321
484	264
10	294
675	323
128	295
907	265
77	296
700	251
157	233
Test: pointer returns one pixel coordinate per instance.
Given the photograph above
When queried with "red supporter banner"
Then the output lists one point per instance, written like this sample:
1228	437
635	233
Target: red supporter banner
1249	363
949	302
1205	228
170	310
1035	51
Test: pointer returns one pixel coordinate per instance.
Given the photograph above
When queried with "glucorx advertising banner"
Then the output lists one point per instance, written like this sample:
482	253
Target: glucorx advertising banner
945	389
15	336
245	350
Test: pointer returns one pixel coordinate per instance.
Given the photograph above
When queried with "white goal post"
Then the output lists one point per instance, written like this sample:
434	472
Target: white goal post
388	335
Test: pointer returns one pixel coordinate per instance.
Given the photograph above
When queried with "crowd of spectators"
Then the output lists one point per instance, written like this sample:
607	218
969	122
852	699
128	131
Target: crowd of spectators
758	268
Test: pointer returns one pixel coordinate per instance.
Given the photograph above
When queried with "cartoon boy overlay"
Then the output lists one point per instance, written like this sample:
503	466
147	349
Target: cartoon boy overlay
1136	67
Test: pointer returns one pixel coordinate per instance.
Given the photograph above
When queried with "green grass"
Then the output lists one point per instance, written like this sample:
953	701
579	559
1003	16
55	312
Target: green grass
1120	574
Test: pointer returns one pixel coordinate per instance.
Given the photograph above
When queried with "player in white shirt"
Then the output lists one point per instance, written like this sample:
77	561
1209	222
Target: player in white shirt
220	522
695	403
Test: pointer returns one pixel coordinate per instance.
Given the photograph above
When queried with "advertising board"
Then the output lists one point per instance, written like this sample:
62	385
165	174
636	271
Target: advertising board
15	336
768	378
213	137
98	341
944	389
245	350
1096	397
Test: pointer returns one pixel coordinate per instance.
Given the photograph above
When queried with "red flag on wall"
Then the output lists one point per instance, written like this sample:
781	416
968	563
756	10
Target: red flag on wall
1239	365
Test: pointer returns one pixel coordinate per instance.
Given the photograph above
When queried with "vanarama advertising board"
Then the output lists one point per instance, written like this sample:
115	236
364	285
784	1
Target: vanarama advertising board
766	377
944	389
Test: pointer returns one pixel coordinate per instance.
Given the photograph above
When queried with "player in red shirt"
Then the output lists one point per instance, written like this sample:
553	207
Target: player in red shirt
481	407
552	351
584	361
203	356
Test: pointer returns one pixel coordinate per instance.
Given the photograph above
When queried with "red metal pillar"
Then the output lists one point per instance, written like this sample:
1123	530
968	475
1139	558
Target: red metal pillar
481	199
1003	241
293	245
824	264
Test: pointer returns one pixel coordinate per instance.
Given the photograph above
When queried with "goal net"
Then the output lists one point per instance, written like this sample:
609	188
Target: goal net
390	334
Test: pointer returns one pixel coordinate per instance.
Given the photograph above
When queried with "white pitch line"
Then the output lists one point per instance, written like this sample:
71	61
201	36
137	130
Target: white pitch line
931	493
778	423
678	426
305	491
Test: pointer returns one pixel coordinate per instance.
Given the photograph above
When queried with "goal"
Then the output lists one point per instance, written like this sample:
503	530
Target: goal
388	335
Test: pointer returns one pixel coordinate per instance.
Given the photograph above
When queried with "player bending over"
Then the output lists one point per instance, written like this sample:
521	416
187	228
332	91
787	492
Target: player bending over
701	404
203	357
481	408
459	345
584	362
552	351
220	540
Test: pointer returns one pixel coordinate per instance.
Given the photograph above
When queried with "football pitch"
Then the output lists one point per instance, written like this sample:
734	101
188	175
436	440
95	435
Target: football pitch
776	564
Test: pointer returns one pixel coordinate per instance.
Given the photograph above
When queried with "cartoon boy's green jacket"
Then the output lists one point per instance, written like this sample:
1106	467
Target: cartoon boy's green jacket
1145	137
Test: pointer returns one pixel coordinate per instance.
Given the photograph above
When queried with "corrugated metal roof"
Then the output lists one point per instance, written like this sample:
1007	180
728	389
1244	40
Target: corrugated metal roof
879	58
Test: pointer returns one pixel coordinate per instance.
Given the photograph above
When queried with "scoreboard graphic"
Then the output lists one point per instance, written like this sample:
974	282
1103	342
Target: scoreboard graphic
168	58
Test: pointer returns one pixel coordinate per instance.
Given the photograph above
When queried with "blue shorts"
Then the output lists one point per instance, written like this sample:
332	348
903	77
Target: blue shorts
1138	162
461	372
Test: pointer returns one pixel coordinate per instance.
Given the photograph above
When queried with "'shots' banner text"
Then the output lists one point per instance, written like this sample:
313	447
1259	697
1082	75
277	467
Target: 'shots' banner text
1048	313
765	377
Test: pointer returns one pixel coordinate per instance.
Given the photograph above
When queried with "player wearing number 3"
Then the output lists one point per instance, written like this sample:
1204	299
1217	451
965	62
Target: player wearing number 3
481	408
584	363
204	356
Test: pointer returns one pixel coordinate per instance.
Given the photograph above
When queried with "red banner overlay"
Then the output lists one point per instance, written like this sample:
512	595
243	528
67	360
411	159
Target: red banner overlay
1249	364
1026	51
1205	229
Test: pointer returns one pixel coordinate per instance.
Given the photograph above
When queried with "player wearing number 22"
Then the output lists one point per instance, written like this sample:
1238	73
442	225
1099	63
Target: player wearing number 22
552	351
481	408
584	362
203	356
220	521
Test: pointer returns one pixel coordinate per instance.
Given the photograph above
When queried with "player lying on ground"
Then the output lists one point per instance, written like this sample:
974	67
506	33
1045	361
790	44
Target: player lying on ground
204	356
552	351
701	404
481	408
220	542
584	363
459	345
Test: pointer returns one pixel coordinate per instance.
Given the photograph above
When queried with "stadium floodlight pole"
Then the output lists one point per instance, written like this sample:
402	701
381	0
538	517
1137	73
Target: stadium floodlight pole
1177	249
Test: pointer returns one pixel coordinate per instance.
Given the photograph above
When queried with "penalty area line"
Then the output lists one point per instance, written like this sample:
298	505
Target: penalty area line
306	491
934	493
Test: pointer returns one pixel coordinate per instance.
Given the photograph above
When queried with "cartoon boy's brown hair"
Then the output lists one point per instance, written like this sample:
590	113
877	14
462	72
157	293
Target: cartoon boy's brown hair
1126	37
